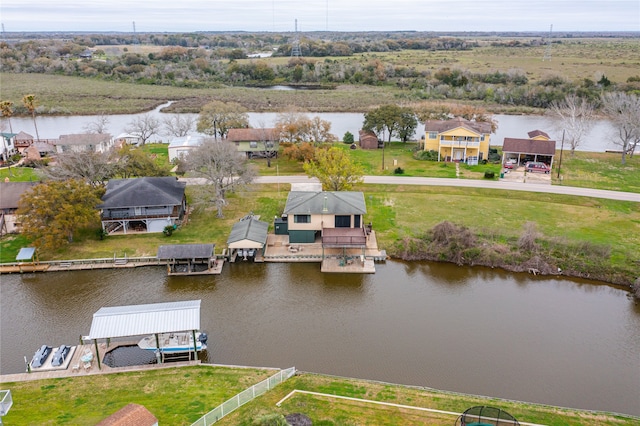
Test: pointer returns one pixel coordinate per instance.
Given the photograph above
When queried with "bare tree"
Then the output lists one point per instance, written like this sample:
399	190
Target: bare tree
293	126
223	168
144	126
90	166
268	142
99	125
624	110
320	131
178	125
216	118
575	116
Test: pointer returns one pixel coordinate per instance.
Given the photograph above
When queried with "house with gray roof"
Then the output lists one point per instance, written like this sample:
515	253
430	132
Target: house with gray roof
335	216
96	142
146	204
10	193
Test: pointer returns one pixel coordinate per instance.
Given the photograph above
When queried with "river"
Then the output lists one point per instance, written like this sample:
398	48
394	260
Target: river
554	341
512	126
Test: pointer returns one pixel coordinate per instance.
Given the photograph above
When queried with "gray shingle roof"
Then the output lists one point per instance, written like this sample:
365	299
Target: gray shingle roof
340	203
144	191
84	139
185	251
249	229
10	193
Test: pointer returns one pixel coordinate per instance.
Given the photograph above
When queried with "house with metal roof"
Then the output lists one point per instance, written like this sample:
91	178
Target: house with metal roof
146	204
181	146
335	216
458	139
538	147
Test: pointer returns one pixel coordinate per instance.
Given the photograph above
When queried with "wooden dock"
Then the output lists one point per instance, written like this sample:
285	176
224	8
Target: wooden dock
75	367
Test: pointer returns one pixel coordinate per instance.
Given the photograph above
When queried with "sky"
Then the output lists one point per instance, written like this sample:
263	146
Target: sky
319	15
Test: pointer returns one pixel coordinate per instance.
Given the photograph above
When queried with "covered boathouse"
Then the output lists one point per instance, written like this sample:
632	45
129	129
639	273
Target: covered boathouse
144	320
190	259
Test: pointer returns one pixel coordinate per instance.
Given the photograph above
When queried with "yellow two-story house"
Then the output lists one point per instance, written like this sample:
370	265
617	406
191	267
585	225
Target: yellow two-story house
458	140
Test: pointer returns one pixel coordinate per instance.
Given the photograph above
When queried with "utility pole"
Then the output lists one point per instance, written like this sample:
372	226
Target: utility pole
561	149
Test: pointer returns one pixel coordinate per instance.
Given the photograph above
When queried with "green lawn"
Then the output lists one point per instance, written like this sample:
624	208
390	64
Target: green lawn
180	396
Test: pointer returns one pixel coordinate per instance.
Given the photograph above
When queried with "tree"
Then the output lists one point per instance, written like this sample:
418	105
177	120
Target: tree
178	125
31	103
575	116
216	118
6	109
624	111
99	126
407	125
383	120
268	138
222	167
91	167
335	169
51	212
134	162
319	131
293	126
348	138
144	126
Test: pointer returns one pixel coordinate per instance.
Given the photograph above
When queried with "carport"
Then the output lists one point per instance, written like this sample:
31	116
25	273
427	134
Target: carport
137	320
524	150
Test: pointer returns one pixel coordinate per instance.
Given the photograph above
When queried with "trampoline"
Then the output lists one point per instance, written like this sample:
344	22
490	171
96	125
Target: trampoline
486	416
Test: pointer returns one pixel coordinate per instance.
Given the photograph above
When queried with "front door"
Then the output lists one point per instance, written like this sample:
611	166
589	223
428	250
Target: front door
458	154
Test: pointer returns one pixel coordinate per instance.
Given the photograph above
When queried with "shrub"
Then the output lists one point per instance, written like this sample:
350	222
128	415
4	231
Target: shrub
399	171
168	230
348	138
426	155
489	174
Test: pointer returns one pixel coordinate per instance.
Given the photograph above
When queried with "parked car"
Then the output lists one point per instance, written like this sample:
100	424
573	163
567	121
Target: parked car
537	167
60	355
510	164
41	356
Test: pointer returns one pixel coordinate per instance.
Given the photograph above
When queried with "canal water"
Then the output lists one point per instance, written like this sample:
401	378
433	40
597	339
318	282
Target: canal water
473	330
598	139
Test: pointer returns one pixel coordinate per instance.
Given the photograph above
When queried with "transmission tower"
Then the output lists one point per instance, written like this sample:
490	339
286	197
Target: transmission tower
135	39
295	44
547	50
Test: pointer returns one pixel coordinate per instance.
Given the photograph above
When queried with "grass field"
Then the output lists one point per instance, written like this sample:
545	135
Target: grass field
181	396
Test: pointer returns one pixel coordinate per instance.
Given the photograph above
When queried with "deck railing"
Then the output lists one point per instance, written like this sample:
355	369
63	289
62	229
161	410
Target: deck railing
243	397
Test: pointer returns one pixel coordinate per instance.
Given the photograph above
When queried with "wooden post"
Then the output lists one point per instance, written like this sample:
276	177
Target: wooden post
95	342
195	345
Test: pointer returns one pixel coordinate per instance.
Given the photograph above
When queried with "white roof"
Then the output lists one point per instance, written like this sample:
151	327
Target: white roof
135	320
189	140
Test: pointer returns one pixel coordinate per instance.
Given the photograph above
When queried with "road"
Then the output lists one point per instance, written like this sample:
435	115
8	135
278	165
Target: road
472	183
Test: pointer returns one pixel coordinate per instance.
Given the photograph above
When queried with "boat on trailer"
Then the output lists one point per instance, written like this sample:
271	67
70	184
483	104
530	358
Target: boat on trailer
174	343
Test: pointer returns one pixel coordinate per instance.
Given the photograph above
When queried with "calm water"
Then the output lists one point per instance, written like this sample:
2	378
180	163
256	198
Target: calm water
473	330
513	126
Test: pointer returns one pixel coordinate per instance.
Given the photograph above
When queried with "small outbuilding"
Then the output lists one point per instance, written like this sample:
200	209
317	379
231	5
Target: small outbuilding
368	140
248	238
131	415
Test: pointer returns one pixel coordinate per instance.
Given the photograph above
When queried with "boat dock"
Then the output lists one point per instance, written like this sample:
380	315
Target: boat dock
76	367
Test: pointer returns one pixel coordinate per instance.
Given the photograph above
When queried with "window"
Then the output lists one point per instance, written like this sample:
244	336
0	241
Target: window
302	218
433	135
342	221
253	144
268	144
